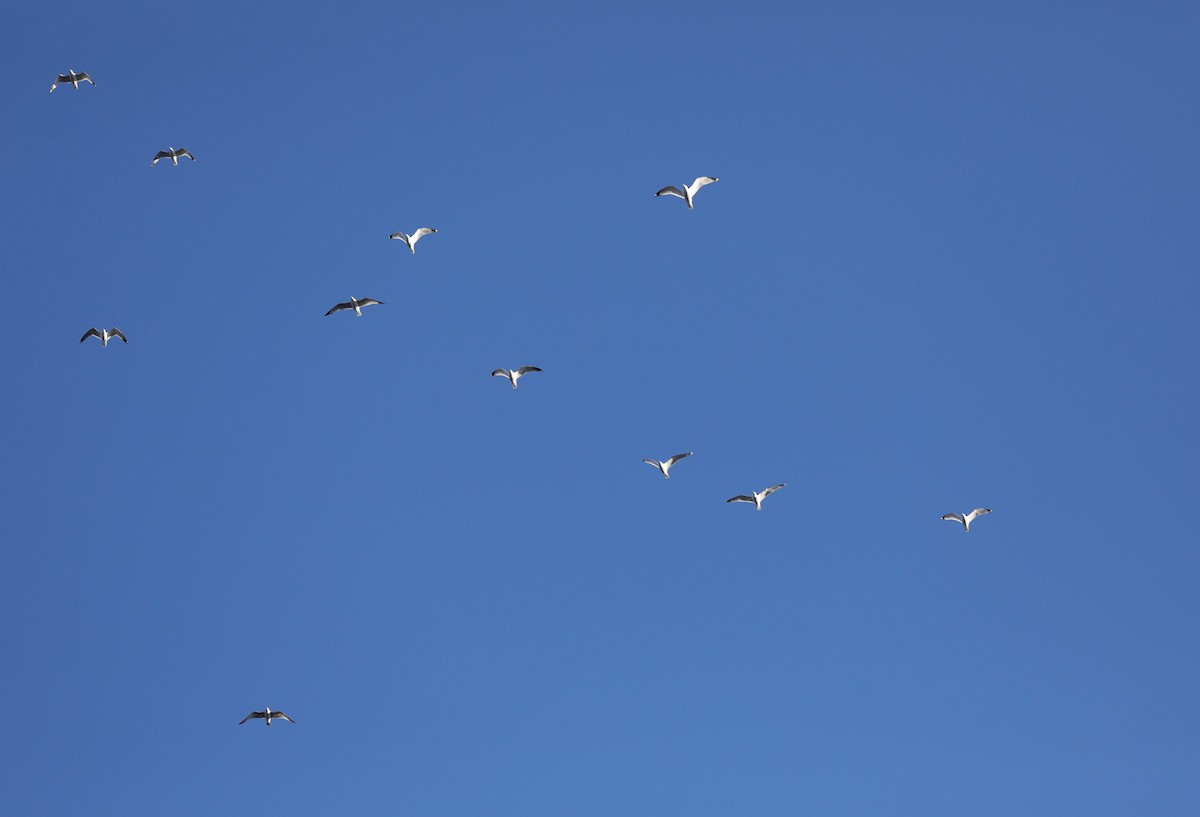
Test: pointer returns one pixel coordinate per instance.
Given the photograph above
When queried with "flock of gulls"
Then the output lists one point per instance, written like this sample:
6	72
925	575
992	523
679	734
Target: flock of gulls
687	193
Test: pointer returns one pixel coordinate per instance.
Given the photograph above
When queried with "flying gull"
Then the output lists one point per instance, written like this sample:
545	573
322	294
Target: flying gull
354	303
105	335
173	155
410	241
688	193
512	376
666	466
74	79
758	497
268	714
966	519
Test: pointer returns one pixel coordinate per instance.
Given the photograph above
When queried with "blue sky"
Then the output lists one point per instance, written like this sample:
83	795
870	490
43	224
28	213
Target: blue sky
950	262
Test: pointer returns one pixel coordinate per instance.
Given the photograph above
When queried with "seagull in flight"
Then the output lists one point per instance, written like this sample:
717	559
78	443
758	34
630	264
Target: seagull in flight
666	465
966	519
410	241
688	193
354	303
512	376
268	714
105	335
758	497
74	79
173	155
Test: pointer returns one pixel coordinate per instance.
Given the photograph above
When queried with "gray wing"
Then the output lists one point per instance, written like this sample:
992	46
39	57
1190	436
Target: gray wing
368	302
978	512
90	333
185	152
252	715
282	715
773	488
423	231
339	308
677	458
740	498
655	463
528	369
671	190
703	180
162	154
82	76
500	373
953	517
400	236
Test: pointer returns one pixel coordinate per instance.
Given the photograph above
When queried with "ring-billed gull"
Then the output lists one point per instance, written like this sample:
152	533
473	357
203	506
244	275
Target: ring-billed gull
688	193
410	241
267	714
514	376
105	335
966	519
665	466
354	303
74	79
172	154
757	498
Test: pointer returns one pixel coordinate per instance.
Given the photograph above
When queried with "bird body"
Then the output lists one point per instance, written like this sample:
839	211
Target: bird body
354	303
966	519
665	466
514	376
105	335
689	192
757	498
266	714
74	79
172	154
410	241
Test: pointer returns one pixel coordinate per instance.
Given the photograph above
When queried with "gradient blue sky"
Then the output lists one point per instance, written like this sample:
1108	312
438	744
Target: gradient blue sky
951	261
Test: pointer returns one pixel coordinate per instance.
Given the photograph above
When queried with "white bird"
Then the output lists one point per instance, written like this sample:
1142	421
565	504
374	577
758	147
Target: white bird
267	714
172	154
966	519
666	466
410	241
512	376
354	303
757	498
688	193
74	79
105	335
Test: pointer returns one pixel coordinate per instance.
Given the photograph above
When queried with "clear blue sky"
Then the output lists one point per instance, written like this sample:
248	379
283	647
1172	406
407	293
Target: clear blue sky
951	262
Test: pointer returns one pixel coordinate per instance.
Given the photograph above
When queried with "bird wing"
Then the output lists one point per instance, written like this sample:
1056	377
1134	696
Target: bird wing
252	715
528	369
953	517
339	308
89	333
82	76
773	489
655	463
671	190
700	182
115	332
61	78
185	152
677	458
368	301
977	512
278	714
500	373
162	154
398	235
422	231
740	498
